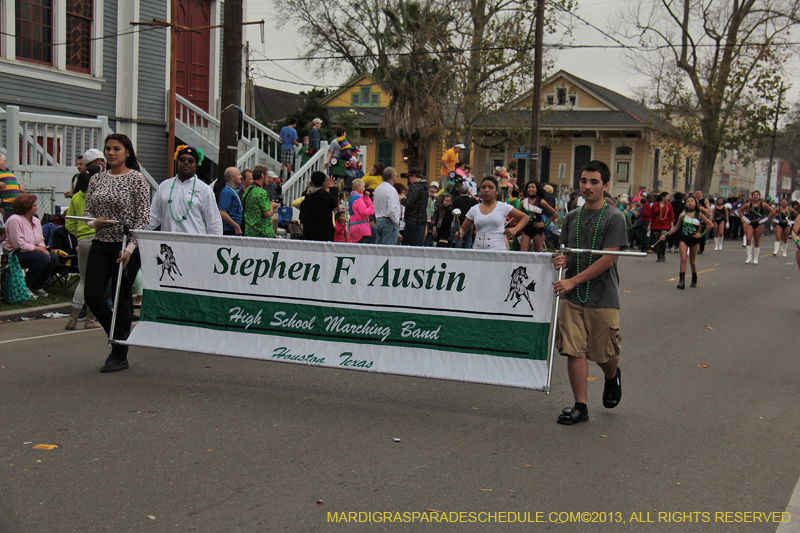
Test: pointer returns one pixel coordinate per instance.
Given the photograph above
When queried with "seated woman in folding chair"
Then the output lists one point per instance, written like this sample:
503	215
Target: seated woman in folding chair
24	236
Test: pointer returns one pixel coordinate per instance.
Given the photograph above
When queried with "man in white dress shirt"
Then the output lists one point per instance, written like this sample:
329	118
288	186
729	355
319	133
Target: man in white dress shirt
387	209
184	204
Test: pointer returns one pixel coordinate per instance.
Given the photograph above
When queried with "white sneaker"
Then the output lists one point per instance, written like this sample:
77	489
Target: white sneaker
32	296
40	293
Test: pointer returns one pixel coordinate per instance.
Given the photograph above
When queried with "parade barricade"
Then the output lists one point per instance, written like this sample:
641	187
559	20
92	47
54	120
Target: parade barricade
463	315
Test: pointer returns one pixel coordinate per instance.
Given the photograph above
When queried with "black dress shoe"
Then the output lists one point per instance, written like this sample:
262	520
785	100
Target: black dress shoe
114	365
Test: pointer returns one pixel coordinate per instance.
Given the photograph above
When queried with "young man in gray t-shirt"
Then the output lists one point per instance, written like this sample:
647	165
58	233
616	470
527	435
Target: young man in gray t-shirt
588	319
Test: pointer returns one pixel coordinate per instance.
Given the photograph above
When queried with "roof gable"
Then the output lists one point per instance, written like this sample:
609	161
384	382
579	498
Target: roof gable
353	84
608	98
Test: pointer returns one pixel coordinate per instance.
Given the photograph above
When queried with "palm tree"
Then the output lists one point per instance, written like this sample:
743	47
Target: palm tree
418	79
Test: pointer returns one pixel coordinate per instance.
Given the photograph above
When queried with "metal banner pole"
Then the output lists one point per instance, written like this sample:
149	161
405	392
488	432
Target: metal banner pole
125	231
87	219
566	250
554	321
553	334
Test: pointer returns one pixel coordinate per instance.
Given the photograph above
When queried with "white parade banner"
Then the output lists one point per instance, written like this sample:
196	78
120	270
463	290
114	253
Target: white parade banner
464	315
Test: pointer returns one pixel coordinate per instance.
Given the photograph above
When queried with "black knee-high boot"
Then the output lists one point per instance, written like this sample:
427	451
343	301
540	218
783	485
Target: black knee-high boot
694	280
682	282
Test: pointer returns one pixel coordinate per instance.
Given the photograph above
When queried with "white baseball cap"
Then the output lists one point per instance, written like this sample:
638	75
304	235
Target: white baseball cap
93	154
461	145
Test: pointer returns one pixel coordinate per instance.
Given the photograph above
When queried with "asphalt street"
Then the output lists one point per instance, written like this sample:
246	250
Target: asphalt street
708	423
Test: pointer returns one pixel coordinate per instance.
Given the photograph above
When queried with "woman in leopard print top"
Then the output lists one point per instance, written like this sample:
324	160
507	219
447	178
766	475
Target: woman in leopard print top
119	193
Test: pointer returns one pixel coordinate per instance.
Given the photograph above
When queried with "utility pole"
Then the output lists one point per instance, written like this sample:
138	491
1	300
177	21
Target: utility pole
536	102
231	86
772	148
173	74
249	88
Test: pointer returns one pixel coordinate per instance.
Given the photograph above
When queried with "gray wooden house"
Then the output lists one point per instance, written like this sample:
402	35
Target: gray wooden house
76	70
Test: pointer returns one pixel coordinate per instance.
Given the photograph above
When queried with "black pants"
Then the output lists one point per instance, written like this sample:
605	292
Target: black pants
735	231
102	266
414	234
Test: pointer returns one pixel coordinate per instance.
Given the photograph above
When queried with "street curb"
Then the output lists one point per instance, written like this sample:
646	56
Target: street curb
35	311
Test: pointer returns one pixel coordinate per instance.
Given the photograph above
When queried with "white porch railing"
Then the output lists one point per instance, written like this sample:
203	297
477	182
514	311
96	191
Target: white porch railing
249	159
296	185
265	139
41	149
258	145
197	128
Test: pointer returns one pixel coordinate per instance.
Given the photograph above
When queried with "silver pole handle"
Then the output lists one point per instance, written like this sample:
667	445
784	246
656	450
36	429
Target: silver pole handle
116	295
565	250
553	337
88	219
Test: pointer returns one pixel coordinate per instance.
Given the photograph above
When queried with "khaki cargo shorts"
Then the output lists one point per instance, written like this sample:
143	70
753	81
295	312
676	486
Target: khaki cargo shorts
588	332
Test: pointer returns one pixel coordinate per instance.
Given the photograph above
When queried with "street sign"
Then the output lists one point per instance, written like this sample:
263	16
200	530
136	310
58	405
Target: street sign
521	155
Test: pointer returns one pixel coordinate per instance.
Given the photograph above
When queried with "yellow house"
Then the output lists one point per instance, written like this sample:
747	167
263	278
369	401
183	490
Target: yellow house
582	121
365	97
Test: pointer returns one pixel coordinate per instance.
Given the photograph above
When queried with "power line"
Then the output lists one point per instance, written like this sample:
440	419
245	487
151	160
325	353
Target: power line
102	37
575	15
281	67
556	46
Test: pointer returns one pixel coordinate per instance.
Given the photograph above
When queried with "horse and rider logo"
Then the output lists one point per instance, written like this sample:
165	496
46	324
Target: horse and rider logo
517	288
166	258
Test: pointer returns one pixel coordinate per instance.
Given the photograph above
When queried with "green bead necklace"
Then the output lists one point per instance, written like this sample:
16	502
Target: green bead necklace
188	208
578	245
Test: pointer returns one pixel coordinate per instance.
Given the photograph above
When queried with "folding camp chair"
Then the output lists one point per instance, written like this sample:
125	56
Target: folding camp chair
295	231
68	273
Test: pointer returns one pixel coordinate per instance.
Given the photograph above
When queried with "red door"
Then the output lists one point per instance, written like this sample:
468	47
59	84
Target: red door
194	52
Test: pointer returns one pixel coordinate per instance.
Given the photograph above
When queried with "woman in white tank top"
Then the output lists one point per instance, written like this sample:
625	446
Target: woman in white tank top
489	218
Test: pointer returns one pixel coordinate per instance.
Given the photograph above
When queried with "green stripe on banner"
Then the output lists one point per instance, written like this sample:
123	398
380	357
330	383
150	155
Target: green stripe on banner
502	338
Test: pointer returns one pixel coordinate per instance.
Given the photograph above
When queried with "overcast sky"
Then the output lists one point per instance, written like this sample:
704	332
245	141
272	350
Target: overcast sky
603	67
